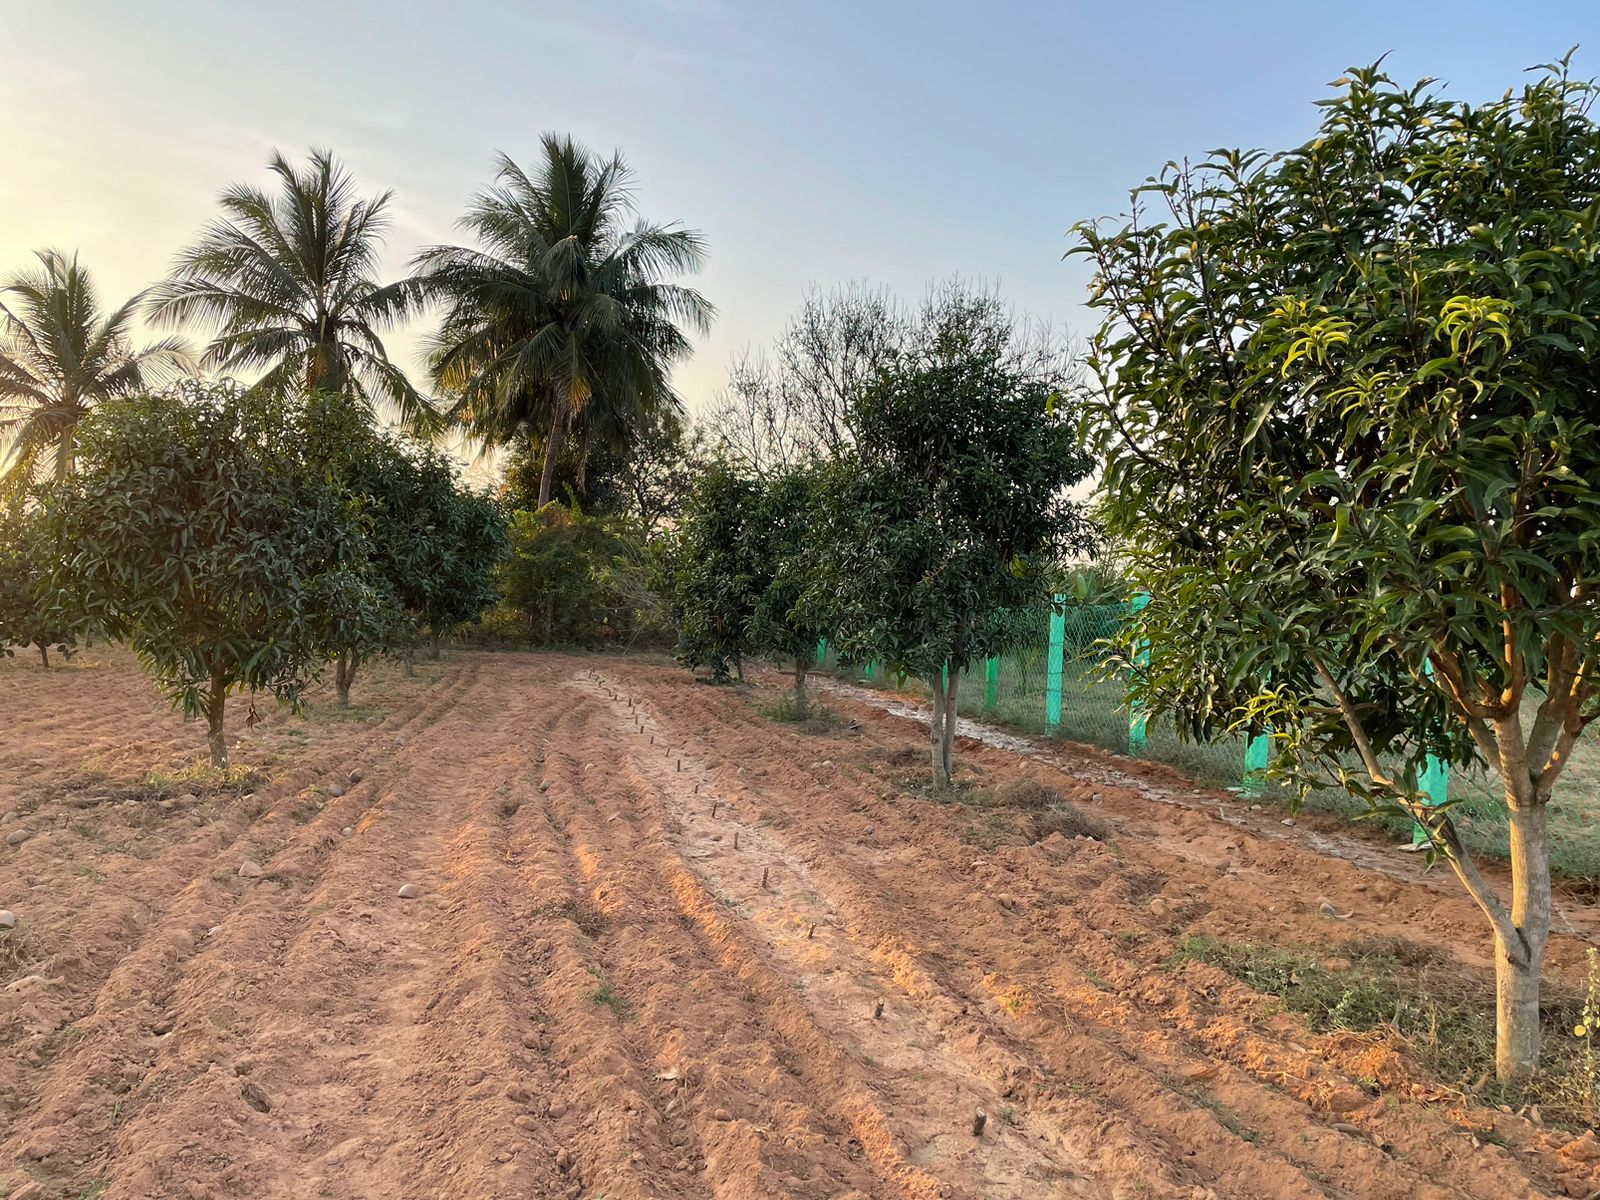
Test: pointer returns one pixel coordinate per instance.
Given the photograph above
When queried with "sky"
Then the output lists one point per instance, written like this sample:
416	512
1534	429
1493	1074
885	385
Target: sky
811	143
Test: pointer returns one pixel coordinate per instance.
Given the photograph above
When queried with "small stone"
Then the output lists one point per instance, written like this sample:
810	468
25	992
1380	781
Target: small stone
563	1160
16	837
410	891
8	919
357	775
347	831
531	1124
721	1114
1327	909
255	1097
516	1093
1160	908
249	869
530	1041
1195	1072
336	790
1255	808
1289	821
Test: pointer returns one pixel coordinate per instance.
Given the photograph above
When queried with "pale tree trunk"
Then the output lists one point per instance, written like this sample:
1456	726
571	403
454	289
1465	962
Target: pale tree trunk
1519	949
552	453
411	665
801	702
216	705
433	645
948	737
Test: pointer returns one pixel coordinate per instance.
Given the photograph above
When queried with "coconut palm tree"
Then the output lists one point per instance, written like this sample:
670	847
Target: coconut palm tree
564	318
288	284
60	355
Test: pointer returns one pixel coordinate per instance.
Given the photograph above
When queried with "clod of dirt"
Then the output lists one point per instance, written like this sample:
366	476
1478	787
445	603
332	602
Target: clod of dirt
8	919
255	1096
1160	908
410	891
722	1114
531	1124
16	837
979	1120
250	870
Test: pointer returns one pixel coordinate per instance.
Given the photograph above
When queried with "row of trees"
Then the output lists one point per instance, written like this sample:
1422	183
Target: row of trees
241	539
905	518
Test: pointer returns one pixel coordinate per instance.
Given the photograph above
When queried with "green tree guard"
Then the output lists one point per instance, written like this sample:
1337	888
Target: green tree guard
1054	663
871	672
1136	714
991	682
1257	753
822	651
1434	782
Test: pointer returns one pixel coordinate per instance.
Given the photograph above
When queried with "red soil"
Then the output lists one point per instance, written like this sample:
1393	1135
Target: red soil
606	990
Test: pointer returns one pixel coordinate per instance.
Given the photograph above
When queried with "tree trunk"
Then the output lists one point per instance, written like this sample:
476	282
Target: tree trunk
216	703
411	665
344	674
738	665
44	655
1519	964
800	699
936	751
947	744
433	645
552	453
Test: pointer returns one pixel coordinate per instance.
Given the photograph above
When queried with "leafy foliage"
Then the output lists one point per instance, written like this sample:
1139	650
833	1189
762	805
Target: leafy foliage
949	509
201	529
1347	407
563	321
580	580
29	617
289	284
60	355
710	576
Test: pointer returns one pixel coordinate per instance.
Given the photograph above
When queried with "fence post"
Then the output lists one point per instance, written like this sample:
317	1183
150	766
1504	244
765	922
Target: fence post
1055	662
1141	661
1435	782
991	682
822	651
1257	754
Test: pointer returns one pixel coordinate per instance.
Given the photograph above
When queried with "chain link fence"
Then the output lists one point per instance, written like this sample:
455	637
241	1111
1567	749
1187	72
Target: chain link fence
1016	689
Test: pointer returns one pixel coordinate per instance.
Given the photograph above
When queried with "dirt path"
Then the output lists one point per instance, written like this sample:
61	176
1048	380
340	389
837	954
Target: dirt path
665	948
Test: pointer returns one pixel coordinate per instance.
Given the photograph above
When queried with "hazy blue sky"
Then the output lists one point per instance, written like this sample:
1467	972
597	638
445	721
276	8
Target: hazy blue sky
811	142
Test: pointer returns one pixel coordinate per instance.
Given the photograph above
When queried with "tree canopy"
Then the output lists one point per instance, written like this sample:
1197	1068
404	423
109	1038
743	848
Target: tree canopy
1347	411
949	507
201	528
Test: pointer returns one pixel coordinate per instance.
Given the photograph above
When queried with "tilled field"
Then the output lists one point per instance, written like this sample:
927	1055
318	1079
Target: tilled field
666	948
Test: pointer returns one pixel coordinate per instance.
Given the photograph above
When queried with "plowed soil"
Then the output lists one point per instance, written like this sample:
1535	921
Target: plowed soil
666	948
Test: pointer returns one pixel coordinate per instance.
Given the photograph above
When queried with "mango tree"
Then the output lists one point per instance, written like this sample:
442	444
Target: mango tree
28	617
776	533
947	509
1348	412
196	528
709	576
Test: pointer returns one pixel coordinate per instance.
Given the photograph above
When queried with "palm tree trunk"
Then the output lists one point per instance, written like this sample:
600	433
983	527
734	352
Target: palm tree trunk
64	455
552	452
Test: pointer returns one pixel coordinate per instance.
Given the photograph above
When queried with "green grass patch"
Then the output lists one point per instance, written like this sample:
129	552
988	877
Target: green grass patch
1418	996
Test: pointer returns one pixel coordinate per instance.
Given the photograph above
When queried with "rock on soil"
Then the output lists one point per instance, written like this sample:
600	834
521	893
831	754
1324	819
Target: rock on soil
250	870
8	919
16	837
410	891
